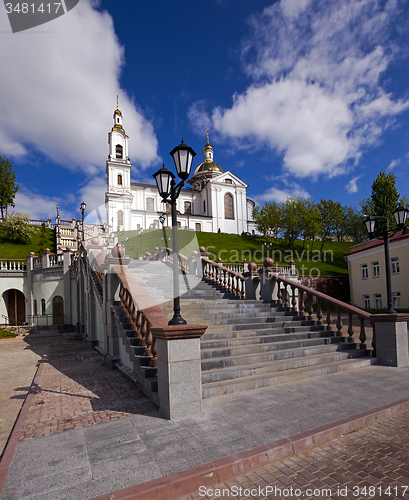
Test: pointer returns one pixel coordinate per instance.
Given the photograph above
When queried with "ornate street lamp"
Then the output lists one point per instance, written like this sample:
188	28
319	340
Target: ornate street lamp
165	180
400	217
82	209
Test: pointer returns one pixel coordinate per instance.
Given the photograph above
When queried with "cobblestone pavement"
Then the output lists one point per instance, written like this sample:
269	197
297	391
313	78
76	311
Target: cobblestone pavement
372	462
18	360
77	390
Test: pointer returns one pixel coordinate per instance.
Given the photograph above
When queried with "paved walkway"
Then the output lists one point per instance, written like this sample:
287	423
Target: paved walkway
372	462
88	432
18	362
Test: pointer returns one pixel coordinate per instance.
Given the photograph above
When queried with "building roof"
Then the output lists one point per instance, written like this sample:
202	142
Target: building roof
399	235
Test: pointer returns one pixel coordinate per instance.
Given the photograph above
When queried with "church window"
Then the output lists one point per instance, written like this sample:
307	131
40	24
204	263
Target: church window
150	204
119	180
168	208
228	206
204	207
198	227
118	151
43	307
120	218
188	207
228	181
178	223
35	307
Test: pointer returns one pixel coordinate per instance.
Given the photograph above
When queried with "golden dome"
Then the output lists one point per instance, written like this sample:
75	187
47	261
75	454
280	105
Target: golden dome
208	166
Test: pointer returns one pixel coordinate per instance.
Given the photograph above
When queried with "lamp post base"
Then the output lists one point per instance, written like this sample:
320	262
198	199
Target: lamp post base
177	320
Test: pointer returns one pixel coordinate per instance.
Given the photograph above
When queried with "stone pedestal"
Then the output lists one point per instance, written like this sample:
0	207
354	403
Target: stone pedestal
179	371
391	336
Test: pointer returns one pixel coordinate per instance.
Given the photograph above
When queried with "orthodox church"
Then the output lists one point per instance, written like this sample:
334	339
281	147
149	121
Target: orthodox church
215	202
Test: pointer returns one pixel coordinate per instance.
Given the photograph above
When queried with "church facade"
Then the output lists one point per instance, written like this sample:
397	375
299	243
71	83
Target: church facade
215	202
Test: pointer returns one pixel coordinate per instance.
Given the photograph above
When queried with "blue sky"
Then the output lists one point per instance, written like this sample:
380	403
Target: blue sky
303	97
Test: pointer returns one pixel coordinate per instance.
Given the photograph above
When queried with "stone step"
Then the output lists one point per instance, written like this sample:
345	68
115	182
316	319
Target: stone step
300	360
280	334
213	389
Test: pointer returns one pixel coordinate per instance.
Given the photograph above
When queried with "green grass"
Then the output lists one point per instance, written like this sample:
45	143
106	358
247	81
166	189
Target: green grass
10	250
234	248
5	334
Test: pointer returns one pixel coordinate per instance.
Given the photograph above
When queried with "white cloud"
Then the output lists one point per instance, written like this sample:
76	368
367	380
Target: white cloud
316	98
393	164
276	194
38	207
59	85
352	186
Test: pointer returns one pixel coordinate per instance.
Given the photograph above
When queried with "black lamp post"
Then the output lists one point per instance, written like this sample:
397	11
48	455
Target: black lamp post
400	217
82	209
140	241
165	180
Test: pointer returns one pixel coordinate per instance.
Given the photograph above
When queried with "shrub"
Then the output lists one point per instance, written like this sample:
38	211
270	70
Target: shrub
16	228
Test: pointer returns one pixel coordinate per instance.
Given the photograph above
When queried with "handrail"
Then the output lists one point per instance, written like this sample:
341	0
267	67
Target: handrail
231	281
142	311
304	305
183	261
13	264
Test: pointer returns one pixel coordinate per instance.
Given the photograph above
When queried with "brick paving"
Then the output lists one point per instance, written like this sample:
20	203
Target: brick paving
372	462
18	360
77	390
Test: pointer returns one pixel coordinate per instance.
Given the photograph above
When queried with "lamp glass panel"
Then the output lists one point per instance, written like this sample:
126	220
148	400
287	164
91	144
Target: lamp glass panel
400	215
182	156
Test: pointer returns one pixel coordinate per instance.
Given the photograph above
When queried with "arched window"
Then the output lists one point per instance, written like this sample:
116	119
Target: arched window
188	207
228	181
119	180
150	204
228	206
58	310
35	307
120	218
43	307
118	150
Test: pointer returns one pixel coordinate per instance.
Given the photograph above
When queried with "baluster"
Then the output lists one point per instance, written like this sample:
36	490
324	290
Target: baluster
301	302
148	341
310	308
144	330
138	324
154	361
339	322
319	313
279	293
286	296
329	318
350	328
362	333
293	298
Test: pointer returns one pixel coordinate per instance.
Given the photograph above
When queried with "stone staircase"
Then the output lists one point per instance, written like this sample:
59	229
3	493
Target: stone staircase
251	344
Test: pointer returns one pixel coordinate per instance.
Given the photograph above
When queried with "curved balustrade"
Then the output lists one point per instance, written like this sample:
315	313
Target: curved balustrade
166	255
142	311
230	280
301	298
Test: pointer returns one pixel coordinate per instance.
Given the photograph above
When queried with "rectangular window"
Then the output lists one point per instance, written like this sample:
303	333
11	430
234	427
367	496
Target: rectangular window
150	204
395	265
204	207
367	302
198	227
188	207
178	224
378	300
364	271
396	300
375	269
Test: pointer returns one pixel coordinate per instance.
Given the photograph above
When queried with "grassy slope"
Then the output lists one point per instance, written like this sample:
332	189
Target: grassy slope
10	250
233	248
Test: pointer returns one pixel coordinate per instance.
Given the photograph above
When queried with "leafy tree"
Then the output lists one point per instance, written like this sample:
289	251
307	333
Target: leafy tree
16	228
8	187
331	219
383	201
291	220
268	218
354	226
310	220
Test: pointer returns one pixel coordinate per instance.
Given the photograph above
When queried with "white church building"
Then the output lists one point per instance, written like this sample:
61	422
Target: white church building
215	202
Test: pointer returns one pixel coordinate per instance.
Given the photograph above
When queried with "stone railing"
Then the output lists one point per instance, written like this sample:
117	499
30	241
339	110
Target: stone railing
56	260
230	280
242	267
165	254
13	265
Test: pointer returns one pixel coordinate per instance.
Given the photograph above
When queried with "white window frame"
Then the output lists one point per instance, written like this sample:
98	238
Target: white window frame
396	300
367	302
395	265
364	271
377	298
375	269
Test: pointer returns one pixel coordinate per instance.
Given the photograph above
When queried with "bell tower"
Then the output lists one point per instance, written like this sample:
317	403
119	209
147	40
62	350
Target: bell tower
118	198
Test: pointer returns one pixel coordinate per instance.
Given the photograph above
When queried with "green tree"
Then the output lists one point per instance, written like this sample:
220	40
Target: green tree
291	220
8	187
354	225
331	219
310	220
383	201
16	228
268	218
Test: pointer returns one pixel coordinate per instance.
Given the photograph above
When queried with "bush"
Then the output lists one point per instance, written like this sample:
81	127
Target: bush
16	228
4	334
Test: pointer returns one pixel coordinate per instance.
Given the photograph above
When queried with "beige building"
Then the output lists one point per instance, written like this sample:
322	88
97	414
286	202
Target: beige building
367	275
